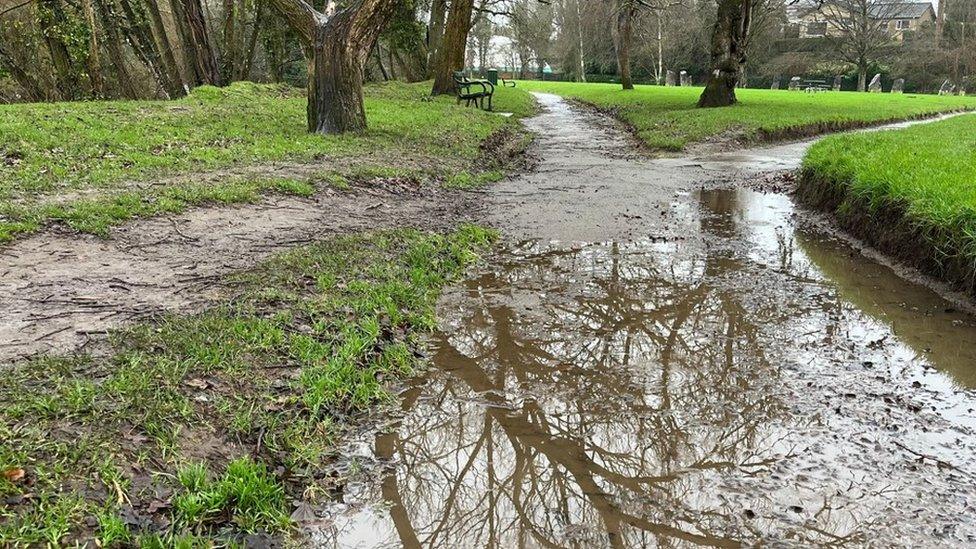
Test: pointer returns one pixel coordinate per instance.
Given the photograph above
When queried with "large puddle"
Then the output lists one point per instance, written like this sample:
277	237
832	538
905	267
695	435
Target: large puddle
738	382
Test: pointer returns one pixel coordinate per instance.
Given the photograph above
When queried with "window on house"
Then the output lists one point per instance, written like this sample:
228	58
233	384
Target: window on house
903	24
816	29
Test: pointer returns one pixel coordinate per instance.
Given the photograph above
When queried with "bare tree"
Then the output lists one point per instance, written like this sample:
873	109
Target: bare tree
623	37
858	32
338	44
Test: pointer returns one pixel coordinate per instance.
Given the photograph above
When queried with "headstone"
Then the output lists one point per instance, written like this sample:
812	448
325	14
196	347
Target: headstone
898	86
946	88
669	79
685	78
838	80
795	83
875	85
775	85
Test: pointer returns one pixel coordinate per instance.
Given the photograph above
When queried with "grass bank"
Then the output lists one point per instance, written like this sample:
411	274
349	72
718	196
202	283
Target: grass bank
666	118
911	193
95	164
210	426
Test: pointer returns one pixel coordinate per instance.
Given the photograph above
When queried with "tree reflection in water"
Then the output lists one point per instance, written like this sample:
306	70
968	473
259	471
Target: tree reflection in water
647	393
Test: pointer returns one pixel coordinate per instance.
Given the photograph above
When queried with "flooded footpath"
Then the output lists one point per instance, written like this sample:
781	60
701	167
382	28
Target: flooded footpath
658	356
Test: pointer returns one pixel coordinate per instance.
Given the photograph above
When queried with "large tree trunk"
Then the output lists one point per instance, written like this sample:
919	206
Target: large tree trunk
862	78
338	47
728	52
32	89
450	57
623	37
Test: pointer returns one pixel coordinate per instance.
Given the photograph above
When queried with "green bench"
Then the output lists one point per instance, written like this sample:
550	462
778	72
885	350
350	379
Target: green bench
473	91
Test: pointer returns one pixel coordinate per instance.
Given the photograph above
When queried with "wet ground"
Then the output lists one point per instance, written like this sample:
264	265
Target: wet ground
662	357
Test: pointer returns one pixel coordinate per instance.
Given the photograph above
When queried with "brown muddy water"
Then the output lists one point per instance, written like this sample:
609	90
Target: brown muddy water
658	358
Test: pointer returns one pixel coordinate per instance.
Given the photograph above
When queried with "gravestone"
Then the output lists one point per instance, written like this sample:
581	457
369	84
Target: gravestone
669	79
685	78
838	80
775	85
946	88
795	83
875	85
898	86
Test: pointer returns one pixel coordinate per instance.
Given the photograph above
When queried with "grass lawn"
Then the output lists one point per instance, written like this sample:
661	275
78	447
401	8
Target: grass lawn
666	117
911	192
95	164
209	426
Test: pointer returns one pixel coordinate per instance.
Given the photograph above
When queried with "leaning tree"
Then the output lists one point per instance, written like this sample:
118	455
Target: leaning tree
337	43
728	52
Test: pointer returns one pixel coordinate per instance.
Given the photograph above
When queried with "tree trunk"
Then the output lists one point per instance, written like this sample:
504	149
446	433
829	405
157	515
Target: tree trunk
230	42
862	78
450	58
435	32
728	52
252	42
940	21
337	47
31	87
623	37
114	45
52	22
139	35
204	56
165	49
580	66
94	61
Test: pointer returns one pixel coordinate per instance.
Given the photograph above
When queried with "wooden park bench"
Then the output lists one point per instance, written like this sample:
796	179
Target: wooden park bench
473	91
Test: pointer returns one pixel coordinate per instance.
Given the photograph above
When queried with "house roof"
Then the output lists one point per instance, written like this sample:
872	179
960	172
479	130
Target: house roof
899	10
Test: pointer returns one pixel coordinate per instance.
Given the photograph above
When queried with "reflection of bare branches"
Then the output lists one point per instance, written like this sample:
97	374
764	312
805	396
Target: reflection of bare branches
597	416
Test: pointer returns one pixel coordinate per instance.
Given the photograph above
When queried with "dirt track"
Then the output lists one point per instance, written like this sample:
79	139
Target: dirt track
59	292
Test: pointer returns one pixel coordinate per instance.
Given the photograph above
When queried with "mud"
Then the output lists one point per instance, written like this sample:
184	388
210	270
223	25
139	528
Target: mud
60	293
659	358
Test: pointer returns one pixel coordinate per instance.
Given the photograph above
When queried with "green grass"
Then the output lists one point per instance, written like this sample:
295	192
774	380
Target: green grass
210	424
96	164
666	118
924	175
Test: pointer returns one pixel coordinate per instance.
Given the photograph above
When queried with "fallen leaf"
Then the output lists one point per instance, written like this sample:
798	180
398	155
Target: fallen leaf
14	475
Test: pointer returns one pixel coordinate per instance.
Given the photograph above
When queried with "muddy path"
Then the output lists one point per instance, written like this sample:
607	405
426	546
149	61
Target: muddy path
61	292
661	357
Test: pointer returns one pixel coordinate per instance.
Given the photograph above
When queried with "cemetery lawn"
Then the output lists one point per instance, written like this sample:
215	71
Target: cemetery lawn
197	430
909	192
92	165
666	118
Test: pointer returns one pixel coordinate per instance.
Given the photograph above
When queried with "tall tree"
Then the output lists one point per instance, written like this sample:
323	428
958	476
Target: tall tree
204	56
338	45
728	52
623	37
860	34
450	55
